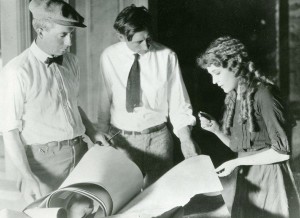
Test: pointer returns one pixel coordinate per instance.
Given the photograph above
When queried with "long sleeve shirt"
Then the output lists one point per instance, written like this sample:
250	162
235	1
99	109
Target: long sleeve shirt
163	91
41	100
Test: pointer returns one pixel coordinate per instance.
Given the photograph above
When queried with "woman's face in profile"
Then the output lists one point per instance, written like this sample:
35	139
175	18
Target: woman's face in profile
223	78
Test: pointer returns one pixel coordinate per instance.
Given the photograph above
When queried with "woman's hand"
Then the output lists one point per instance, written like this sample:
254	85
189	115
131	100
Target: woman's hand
207	122
226	168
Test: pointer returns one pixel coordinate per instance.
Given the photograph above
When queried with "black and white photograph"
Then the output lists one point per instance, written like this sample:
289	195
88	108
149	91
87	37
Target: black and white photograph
149	108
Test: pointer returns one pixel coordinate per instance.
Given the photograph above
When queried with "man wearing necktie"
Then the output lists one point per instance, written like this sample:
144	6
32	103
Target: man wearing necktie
42	123
141	88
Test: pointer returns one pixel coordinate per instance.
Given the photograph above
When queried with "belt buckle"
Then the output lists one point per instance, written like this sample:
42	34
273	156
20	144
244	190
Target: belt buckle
145	131
74	140
44	149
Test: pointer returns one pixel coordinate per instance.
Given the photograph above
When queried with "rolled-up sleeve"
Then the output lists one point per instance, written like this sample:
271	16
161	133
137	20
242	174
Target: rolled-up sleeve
180	108
274	115
12	100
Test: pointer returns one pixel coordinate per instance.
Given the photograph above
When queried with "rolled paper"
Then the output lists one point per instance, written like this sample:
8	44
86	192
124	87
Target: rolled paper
46	213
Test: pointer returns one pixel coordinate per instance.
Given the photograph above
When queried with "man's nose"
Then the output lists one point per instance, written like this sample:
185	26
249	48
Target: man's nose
68	40
144	45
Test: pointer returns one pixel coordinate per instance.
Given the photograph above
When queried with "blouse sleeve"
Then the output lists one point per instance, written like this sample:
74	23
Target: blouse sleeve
274	114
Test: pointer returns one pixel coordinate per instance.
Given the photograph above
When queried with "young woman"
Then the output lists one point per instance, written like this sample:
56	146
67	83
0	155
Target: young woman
255	125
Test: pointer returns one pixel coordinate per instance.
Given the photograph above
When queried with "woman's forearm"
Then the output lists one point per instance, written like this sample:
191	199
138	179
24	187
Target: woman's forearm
265	157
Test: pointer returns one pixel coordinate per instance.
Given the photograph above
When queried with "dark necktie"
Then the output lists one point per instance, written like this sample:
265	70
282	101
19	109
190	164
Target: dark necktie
58	60
133	88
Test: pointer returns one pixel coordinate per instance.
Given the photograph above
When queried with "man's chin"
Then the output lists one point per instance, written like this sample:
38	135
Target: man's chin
143	52
64	51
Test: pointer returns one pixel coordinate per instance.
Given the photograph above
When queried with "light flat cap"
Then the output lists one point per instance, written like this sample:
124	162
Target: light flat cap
56	11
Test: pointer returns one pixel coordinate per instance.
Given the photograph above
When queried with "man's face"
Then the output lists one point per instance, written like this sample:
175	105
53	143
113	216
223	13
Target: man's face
57	39
140	42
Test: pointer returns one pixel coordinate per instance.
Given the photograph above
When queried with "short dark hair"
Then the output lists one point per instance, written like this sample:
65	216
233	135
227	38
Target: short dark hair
131	20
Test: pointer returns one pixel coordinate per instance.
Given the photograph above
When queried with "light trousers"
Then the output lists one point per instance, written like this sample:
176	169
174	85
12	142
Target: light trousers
153	152
52	162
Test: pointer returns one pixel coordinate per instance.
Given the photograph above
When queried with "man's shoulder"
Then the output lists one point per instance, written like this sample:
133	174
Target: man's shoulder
112	49
160	48
17	63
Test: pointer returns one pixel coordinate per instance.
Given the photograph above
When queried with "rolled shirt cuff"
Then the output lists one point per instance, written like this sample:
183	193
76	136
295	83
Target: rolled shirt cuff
11	125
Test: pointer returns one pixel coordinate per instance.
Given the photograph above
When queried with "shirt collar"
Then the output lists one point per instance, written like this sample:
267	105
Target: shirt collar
39	53
130	52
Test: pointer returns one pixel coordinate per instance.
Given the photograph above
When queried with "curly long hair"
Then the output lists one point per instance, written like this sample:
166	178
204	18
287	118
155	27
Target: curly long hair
230	53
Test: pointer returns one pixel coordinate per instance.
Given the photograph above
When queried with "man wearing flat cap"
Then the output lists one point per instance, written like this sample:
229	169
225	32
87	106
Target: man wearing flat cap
42	123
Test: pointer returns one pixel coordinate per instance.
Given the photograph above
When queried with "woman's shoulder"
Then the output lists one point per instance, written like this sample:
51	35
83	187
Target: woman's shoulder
267	91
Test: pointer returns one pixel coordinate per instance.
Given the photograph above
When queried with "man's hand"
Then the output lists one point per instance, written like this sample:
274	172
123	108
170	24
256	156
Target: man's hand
189	147
102	138
31	188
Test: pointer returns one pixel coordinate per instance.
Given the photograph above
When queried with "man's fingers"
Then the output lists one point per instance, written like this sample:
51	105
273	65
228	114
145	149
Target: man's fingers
29	197
103	141
37	194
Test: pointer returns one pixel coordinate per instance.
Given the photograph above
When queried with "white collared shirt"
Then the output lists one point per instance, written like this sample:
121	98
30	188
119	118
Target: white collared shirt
163	91
41	101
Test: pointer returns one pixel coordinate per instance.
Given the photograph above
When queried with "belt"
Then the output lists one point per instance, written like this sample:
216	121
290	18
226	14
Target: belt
145	131
61	143
70	141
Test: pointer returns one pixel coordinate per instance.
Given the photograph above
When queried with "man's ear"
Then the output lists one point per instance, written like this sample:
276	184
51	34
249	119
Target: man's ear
121	37
39	33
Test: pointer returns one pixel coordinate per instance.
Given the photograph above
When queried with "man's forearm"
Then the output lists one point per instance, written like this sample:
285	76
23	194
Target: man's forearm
189	147
184	133
16	152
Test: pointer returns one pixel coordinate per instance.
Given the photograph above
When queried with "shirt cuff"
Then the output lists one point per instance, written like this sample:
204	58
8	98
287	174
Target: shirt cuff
11	125
191	121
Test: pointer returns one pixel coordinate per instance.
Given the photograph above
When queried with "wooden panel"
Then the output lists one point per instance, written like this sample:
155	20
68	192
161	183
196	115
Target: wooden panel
294	43
15	28
125	3
15	38
90	42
